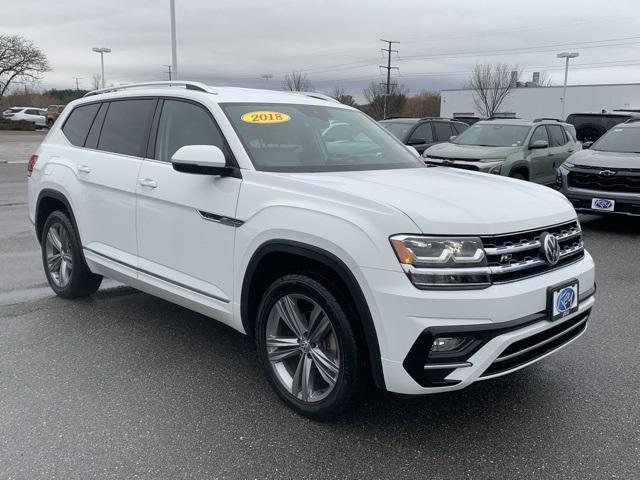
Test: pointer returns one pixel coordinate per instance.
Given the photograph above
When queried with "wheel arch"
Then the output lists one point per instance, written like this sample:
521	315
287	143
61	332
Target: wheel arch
520	166
335	265
48	201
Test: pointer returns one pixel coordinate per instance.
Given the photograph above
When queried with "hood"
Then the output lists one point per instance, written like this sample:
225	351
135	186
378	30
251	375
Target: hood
470	152
449	201
595	158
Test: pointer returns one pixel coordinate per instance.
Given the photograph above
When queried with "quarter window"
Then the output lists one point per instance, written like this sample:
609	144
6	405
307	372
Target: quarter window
556	135
126	126
78	123
183	123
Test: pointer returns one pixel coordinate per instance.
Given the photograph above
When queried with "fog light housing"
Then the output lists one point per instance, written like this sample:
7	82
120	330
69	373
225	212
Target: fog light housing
448	344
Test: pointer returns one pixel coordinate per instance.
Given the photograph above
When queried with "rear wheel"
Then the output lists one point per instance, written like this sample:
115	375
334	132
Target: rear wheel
64	265
308	347
49	123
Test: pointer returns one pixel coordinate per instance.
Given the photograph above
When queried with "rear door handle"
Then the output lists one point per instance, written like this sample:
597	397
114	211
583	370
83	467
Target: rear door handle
148	182
84	168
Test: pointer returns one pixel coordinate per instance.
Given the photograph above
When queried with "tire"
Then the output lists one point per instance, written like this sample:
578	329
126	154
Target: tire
518	175
62	259
49	123
328	392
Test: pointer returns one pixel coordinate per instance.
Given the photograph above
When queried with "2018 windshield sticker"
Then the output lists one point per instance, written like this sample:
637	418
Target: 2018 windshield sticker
265	117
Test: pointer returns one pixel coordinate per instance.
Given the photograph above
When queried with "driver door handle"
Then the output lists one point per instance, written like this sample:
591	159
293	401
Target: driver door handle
84	168
148	182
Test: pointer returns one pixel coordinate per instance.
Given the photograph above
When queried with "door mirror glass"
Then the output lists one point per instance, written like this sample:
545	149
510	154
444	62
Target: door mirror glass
587	144
201	159
540	144
416	141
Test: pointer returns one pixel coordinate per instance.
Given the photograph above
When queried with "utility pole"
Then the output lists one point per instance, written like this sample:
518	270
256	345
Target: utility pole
174	48
168	71
388	68
77	82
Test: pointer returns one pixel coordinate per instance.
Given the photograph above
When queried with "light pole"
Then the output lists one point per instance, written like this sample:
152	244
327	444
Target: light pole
566	56
102	51
174	48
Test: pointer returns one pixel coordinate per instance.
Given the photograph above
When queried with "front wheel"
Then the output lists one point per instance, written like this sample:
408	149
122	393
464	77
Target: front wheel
64	265
307	346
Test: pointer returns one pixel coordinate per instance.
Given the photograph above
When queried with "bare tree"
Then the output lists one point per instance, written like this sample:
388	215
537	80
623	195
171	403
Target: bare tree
491	84
20	59
374	95
96	81
545	79
343	97
296	82
425	104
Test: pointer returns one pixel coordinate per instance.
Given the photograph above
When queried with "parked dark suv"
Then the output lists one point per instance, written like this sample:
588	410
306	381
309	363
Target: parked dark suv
591	126
421	133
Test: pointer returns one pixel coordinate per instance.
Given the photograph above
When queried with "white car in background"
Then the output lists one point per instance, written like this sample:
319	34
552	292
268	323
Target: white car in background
344	265
28	114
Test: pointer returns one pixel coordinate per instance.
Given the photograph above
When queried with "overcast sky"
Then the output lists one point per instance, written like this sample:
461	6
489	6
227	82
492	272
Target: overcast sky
334	42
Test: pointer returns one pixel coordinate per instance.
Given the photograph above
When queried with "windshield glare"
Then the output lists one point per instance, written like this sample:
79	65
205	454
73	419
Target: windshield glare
493	135
621	139
311	138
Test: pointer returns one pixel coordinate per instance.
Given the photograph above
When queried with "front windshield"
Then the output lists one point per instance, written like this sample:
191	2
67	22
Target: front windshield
493	135
621	139
399	129
310	138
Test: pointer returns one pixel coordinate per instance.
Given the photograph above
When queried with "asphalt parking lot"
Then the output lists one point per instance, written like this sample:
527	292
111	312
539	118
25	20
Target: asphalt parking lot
125	385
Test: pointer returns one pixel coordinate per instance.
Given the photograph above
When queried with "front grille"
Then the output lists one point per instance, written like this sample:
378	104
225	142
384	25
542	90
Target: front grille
624	181
535	346
516	256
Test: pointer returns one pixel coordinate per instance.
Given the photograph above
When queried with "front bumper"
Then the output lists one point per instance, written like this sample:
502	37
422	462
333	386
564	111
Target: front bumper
510	320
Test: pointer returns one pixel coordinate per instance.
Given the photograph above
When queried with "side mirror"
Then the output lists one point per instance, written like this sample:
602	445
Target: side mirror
413	150
452	138
200	159
587	144
539	144
416	141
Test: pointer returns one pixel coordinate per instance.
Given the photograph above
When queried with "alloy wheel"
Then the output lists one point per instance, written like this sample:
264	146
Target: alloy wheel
58	255
302	347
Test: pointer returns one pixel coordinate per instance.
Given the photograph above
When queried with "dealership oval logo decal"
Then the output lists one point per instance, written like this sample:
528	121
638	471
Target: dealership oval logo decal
265	117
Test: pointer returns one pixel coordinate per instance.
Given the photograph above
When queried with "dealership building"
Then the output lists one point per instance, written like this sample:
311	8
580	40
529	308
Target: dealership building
535	101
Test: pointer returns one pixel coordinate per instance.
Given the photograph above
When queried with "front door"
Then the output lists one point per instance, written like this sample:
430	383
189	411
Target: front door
185	222
541	159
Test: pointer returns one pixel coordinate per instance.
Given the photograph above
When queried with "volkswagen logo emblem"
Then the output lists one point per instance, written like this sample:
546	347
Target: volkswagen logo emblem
607	173
550	248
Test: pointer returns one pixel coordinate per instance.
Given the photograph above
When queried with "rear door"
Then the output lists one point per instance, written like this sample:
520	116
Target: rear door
107	169
443	131
186	227
560	147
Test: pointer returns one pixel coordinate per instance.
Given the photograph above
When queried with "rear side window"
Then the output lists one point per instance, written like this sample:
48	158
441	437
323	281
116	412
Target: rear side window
183	123
458	128
32	112
556	135
126	126
443	131
78	123
94	132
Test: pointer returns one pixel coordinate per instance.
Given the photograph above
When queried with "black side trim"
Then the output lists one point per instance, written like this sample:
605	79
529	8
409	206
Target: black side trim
330	260
417	357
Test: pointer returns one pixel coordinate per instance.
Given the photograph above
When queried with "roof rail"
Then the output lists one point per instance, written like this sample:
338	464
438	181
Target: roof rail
201	87
541	119
633	120
501	118
319	96
435	118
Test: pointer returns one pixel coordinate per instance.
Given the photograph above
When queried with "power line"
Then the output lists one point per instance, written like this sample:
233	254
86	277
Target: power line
388	68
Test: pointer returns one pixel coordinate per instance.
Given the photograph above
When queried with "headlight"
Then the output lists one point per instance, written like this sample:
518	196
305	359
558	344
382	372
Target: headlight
437	262
491	165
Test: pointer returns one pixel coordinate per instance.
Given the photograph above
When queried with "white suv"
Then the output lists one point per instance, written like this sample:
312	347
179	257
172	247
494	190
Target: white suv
345	259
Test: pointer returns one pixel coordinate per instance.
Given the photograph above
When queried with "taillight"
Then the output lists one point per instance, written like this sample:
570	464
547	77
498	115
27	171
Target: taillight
31	164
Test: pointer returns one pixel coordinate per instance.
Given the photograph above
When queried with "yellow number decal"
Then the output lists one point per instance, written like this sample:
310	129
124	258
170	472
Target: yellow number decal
265	117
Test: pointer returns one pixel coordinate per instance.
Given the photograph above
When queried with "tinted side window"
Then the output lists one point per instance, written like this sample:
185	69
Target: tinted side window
540	133
78	123
96	126
443	131
556	135
183	123
423	132
126	126
32	112
458	128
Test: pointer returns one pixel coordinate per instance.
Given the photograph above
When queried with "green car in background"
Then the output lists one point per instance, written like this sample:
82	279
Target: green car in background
525	149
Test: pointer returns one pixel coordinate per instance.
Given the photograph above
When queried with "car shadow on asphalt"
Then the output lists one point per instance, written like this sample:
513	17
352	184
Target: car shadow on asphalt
621	224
